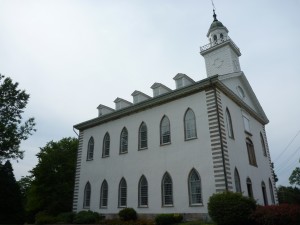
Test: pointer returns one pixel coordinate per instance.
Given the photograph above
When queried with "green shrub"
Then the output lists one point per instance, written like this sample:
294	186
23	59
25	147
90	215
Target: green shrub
86	217
230	208
167	219
44	218
65	218
284	214
128	214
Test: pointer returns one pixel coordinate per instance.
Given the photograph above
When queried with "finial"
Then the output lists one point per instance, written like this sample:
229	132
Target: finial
215	16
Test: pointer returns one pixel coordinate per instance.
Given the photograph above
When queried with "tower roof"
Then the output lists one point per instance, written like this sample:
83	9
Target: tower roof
216	24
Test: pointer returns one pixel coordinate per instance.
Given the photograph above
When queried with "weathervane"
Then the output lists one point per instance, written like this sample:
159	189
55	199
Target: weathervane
214	8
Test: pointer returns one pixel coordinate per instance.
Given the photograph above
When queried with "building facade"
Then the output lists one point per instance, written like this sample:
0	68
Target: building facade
169	153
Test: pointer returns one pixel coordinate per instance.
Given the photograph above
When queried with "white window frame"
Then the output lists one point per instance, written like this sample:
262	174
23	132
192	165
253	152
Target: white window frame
104	195
124	141
143	136
195	189
167	191
165	131
87	196
143	192
237	181
229	124
122	203
190	130
106	145
90	149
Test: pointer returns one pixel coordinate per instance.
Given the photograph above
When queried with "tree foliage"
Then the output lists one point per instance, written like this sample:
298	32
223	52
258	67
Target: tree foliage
290	195
53	178
11	208
295	176
12	129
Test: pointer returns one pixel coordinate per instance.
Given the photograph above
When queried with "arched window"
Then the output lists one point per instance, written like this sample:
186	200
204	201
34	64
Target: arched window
264	192
167	190
251	152
106	145
249	187
124	141
271	192
215	38
229	124
87	196
237	181
143	192
123	193
263	144
190	125
221	36
194	188
90	150
165	133
104	194
143	136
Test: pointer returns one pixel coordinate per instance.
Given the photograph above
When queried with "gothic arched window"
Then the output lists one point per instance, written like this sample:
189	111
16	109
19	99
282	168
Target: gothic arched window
237	181
189	125
229	124
143	136
90	149
106	145
123	193
194	188
167	190
87	196
124	141
165	132
104	195
143	192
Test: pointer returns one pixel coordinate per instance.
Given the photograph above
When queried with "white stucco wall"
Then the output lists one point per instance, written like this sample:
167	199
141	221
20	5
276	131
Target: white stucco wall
177	158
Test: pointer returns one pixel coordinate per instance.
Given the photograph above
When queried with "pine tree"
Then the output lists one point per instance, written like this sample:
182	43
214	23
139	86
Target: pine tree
11	209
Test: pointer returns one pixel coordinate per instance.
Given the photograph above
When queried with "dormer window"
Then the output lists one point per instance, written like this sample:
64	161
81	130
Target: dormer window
159	89
182	80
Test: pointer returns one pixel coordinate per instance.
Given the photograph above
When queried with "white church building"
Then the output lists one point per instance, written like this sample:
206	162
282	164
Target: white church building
170	152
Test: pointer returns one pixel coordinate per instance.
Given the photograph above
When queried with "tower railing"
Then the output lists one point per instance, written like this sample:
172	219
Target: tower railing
218	42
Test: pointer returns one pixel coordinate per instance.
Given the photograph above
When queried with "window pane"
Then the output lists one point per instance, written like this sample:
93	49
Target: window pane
190	124
143	192
90	151
165	131
123	193
124	141
195	188
87	196
143	136
106	145
104	194
167	190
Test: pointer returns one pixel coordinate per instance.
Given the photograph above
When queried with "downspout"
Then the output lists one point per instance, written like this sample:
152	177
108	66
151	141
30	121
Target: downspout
221	138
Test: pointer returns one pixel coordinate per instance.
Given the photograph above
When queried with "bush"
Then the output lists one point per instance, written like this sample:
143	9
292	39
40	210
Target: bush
128	214
65	218
284	214
230	208
132	222
86	217
44	218
167	219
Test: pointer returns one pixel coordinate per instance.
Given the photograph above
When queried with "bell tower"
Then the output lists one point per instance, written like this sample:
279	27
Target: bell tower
221	54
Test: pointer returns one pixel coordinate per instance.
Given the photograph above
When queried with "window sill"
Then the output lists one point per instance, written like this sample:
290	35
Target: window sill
123	153
189	139
167	206
163	144
103	207
196	205
247	132
143	206
141	149
122	207
89	159
105	156
254	165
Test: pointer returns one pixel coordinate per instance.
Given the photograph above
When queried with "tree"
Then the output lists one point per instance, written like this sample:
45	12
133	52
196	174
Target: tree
11	208
290	195
53	178
274	174
12	130
295	176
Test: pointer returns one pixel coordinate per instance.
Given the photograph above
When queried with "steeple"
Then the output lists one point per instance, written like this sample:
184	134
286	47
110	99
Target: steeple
221	54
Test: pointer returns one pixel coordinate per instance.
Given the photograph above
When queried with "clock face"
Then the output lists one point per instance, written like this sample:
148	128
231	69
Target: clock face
218	62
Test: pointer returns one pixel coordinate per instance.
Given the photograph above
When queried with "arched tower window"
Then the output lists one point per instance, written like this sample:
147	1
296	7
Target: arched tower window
251	152
263	144
167	190
104	194
190	125
215	38
123	193
124	141
87	196
264	193
194	183
90	149
165	132
249	187
229	124
106	145
221	36
237	181
271	191
143	136
143	192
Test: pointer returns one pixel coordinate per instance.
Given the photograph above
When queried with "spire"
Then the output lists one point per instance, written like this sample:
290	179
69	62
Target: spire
215	16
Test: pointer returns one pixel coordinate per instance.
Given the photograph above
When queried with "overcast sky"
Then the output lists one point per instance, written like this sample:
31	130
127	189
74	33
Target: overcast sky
71	56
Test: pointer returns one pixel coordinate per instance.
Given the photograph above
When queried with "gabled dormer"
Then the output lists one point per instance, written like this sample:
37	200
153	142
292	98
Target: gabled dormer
182	80
102	110
159	89
121	103
221	54
139	96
